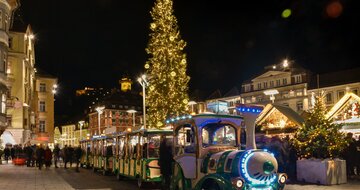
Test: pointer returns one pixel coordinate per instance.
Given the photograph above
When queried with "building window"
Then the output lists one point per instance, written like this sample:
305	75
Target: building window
231	104
341	94
299	106
284	81
271	84
259	86
259	98
329	98
285	94
3	103
299	93
292	93
10	42
265	84
298	79
42	87
42	126
247	88
253	99
42	106
8	68
278	82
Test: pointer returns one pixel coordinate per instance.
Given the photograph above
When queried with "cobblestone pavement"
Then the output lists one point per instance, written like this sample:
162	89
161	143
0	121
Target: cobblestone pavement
24	178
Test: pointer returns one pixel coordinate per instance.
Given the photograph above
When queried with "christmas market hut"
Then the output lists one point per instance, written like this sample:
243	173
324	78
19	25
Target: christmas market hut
278	120
347	112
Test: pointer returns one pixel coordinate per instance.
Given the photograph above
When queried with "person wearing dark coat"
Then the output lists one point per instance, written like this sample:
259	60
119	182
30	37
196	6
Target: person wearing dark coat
77	154
165	163
349	155
40	155
69	151
56	155
29	155
7	153
48	157
12	152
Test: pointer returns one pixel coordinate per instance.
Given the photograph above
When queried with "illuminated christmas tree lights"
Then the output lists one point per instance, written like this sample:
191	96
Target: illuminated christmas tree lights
319	137
168	82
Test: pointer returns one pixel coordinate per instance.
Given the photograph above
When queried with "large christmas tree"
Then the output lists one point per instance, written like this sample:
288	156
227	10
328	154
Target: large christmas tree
168	82
319	137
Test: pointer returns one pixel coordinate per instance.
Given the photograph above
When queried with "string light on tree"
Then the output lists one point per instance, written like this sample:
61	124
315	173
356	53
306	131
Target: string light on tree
166	67
319	137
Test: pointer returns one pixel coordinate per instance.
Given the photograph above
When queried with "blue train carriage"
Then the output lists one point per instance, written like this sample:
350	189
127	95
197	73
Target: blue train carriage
102	153
86	154
207	156
137	155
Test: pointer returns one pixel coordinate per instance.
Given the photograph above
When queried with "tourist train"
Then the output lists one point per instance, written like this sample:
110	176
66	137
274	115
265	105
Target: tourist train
206	151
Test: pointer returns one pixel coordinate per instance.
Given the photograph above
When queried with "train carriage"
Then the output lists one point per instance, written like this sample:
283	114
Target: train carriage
137	155
102	153
207	156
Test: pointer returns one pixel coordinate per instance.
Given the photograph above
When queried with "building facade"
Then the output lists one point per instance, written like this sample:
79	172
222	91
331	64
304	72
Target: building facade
284	83
335	85
68	135
43	104
21	78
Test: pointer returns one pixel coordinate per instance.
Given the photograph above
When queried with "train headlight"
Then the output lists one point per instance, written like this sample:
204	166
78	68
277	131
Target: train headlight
282	178
238	183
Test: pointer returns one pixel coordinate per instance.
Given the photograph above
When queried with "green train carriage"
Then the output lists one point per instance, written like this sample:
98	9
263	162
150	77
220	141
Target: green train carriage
137	155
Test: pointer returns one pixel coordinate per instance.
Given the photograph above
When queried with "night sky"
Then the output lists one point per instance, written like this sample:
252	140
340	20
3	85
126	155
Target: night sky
95	42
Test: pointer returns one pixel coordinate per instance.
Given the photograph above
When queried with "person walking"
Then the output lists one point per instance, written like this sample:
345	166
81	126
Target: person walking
12	152
56	155
7	154
48	157
165	163
40	155
29	155
349	155
77	155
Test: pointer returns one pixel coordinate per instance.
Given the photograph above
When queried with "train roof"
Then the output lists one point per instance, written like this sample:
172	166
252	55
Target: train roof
201	119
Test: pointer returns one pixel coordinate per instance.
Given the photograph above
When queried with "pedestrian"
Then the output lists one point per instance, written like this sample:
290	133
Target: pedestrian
77	155
56	155
12	152
165	163
40	155
349	155
357	157
48	157
7	154
29	155
63	152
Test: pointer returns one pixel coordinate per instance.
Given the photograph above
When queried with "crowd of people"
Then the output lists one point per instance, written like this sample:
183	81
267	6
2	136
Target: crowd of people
39	156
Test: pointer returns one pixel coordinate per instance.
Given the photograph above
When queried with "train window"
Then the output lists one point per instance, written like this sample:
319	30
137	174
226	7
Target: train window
212	164
215	134
185	140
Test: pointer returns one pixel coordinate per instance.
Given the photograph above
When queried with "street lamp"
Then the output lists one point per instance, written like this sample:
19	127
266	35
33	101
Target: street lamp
142	80
100	111
133	116
81	123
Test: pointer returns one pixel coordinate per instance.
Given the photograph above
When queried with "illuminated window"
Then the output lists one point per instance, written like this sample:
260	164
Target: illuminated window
3	103
42	87
42	106
41	126
259	86
265	84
